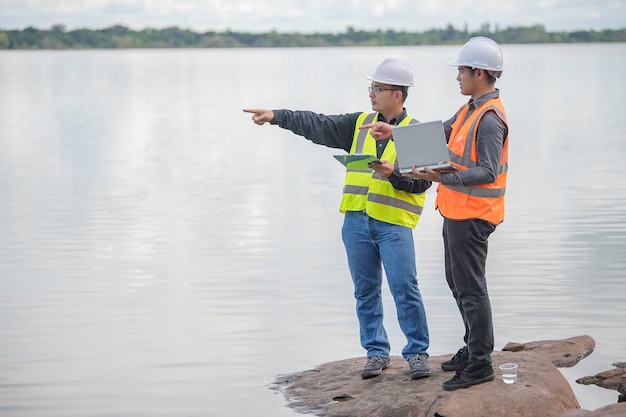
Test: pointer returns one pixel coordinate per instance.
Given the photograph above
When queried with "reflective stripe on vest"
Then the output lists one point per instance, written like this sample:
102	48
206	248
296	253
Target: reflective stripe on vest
366	190
485	201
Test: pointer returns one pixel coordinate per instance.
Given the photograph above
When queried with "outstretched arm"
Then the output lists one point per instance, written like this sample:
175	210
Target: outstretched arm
334	131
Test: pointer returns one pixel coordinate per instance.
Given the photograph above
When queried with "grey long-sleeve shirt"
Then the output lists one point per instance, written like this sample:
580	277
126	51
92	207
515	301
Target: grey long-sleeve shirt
337	131
489	142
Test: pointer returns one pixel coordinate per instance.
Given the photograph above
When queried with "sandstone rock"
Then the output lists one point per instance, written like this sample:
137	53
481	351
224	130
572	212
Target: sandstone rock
613	410
564	353
335	389
610	379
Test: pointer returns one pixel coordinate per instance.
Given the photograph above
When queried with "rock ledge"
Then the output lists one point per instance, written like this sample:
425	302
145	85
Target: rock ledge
335	389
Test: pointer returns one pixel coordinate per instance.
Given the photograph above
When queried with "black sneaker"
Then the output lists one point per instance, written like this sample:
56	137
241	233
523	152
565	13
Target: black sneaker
470	375
418	365
374	366
458	360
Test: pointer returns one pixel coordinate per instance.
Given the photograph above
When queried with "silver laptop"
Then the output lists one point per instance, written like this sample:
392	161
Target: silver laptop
423	145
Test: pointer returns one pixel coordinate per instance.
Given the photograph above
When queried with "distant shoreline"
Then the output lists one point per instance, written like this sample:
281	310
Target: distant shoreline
57	37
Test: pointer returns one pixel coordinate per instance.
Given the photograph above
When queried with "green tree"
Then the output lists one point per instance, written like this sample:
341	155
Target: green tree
118	36
4	40
58	28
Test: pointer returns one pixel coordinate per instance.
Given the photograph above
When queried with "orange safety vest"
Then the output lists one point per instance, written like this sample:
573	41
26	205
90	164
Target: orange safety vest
484	201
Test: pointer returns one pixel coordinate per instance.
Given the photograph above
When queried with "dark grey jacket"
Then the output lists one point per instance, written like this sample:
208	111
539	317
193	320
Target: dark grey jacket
337	131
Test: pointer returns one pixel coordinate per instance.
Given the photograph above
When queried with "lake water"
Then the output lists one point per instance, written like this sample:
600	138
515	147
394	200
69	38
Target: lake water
161	255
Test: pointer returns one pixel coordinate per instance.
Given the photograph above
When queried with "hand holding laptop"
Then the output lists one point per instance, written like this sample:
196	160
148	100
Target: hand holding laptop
426	174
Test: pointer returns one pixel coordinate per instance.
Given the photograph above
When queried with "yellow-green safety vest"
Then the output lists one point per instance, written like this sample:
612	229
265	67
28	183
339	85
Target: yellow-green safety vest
364	190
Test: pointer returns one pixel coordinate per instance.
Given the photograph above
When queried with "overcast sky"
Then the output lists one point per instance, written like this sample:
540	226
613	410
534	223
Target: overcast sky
309	16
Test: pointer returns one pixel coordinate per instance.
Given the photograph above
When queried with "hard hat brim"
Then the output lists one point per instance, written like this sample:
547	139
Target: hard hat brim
389	82
457	63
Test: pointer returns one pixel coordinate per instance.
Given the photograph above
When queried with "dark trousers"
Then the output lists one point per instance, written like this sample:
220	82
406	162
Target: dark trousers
465	244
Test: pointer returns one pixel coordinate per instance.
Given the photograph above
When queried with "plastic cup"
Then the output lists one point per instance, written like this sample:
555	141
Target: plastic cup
509	373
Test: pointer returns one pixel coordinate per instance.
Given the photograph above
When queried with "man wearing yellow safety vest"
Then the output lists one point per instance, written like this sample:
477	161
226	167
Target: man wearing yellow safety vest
471	201
381	209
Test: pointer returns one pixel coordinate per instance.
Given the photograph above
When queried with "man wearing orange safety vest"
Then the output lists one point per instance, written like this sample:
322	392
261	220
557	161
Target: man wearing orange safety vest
471	201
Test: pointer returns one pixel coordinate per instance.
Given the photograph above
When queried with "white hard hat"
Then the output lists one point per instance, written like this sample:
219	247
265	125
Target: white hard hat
480	52
393	71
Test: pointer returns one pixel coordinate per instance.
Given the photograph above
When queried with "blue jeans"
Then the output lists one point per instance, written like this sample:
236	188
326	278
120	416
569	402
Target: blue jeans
465	245
370	246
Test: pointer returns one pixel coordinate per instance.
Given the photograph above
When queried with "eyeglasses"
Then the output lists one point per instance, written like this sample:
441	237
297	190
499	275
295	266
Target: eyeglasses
377	90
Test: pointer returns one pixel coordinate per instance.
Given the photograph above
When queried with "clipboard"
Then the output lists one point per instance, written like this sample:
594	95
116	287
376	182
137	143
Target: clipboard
357	161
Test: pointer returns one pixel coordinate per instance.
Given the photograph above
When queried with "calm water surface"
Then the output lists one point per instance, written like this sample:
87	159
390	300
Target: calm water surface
161	255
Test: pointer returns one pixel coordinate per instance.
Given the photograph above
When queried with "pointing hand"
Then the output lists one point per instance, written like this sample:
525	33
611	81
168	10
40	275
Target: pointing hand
379	130
260	116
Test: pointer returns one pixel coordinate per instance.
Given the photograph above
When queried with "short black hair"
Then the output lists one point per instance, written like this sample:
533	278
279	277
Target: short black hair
404	90
490	77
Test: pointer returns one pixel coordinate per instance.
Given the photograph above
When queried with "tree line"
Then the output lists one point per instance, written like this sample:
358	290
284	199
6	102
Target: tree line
118	36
